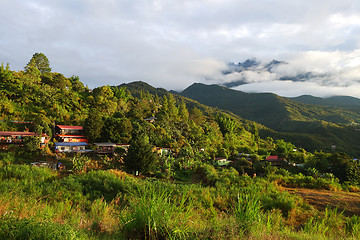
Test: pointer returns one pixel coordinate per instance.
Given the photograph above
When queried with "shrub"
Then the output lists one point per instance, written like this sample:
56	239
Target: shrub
15	228
103	184
209	173
6	158
25	172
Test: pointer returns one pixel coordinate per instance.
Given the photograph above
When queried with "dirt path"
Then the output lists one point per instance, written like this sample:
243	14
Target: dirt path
348	202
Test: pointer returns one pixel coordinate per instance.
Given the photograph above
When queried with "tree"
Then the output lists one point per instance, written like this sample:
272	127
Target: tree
32	73
40	61
93	125
140	156
118	130
103	99
183	112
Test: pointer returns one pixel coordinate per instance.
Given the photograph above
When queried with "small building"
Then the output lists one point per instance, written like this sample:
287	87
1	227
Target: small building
275	160
164	151
105	148
123	146
66	133
67	147
13	137
151	119
222	161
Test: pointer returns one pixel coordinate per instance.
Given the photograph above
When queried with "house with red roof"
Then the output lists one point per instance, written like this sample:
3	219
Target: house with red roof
275	160
16	137
66	133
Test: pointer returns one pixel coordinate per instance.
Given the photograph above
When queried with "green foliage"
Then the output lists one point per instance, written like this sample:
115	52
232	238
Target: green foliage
94	125
209	173
32	144
7	158
18	229
40	61
117	130
153	214
25	172
140	156
325	224
247	211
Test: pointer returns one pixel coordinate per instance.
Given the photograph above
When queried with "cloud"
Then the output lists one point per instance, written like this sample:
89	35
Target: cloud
171	43
294	89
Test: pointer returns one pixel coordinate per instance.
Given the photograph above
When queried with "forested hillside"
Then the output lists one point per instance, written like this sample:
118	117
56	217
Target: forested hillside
313	127
114	114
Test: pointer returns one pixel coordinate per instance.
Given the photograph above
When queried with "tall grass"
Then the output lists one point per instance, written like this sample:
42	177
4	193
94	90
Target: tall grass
155	212
327	224
19	229
247	211
353	227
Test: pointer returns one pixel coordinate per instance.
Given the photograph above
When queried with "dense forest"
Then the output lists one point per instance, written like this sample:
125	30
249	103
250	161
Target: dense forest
140	194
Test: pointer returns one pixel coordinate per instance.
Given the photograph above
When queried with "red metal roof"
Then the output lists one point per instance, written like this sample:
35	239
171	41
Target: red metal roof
70	127
272	158
72	136
11	133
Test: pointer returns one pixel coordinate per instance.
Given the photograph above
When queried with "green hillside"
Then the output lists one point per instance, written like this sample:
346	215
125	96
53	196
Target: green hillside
335	101
314	127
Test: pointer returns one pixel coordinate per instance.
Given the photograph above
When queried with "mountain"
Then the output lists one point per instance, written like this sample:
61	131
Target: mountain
267	108
311	126
335	101
138	86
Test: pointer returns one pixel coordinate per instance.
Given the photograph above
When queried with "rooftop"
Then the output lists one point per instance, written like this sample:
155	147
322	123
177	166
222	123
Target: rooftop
70	127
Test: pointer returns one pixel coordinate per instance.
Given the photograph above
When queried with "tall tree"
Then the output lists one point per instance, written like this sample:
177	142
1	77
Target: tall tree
140	156
117	130
40	61
94	125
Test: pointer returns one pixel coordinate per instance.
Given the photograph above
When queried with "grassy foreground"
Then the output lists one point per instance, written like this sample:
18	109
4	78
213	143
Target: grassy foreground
36	203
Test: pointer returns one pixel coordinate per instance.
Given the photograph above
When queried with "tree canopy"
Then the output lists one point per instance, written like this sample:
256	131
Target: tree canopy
40	61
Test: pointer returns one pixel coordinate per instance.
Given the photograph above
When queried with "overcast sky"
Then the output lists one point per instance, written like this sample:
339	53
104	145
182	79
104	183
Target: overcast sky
174	43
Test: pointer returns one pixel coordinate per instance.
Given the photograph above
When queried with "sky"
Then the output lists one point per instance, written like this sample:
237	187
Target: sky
174	43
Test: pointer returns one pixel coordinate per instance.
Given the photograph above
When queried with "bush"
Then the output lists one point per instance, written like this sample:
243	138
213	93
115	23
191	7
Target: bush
6	158
15	228
103	184
25	172
209	173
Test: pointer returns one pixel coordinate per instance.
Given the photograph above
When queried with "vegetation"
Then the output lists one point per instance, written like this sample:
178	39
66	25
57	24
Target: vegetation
318	126
181	193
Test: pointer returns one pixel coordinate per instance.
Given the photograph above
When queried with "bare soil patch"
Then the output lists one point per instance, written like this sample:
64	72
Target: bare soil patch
349	202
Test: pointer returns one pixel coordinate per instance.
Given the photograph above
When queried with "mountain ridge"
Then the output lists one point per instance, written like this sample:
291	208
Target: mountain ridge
314	126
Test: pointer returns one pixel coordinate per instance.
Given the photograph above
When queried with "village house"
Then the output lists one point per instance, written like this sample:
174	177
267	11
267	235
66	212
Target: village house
66	147
105	148
65	133
221	161
13	137
123	146
275	160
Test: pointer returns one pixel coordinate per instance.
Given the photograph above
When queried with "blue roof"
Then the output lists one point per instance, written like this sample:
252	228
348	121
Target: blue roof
73	144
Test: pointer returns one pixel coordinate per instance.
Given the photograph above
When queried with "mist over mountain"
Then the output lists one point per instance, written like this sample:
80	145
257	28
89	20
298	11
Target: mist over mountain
253	71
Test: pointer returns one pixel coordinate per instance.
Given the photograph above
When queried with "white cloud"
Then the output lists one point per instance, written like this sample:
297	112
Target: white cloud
171	43
294	89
